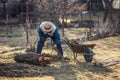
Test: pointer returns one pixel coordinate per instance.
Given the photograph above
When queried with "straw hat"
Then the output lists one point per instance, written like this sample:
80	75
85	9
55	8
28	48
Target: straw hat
47	27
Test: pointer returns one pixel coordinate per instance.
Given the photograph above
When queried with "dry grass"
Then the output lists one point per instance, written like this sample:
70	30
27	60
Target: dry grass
61	70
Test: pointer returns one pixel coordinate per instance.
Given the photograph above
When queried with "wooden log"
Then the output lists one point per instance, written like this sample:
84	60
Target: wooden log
33	58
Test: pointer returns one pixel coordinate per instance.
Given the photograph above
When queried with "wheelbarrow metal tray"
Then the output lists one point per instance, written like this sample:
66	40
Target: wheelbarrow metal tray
78	48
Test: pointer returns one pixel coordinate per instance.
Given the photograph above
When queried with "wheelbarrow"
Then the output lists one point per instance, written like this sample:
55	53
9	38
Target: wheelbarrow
85	49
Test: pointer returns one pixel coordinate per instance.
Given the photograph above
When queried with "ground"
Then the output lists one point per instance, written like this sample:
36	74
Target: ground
59	70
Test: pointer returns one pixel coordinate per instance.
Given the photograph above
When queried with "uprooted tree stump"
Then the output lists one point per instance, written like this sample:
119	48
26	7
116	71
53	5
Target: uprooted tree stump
33	58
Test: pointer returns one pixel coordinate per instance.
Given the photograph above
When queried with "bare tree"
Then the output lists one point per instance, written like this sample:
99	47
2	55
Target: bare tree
49	10
110	23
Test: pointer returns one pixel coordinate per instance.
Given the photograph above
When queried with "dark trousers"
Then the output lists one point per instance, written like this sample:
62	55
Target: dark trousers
41	44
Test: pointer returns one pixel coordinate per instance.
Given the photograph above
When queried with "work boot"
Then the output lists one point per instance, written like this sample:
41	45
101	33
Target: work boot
61	57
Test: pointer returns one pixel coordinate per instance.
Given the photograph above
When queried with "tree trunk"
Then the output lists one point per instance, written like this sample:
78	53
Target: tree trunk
108	19
108	10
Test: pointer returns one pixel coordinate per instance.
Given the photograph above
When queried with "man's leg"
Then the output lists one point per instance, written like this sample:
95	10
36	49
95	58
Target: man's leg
60	49
40	46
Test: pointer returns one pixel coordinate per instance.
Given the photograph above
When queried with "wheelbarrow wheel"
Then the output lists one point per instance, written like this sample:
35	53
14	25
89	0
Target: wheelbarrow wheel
88	58
88	54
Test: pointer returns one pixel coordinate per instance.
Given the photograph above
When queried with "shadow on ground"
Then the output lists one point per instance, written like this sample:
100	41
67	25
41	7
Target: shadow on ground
92	68
65	70
21	70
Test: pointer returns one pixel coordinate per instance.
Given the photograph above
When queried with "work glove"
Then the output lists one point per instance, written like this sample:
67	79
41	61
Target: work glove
46	43
54	46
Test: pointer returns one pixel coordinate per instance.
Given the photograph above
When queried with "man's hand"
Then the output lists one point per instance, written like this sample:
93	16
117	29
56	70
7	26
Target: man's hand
54	46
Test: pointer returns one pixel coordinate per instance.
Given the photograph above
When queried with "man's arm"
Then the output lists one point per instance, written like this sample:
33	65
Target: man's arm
41	35
56	37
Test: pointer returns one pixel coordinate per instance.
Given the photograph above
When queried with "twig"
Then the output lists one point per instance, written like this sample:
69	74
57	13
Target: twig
105	59
111	64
